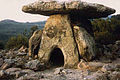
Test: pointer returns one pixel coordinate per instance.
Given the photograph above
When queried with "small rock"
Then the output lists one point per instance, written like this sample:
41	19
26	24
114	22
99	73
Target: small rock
5	76
12	70
34	65
58	70
110	46
60	77
1	61
97	76
83	65
2	74
23	49
117	42
27	78
108	67
8	63
21	54
1	55
95	65
33	76
18	72
27	71
114	76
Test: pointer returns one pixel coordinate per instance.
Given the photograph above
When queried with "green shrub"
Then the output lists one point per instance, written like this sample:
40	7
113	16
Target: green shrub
17	42
107	30
1	45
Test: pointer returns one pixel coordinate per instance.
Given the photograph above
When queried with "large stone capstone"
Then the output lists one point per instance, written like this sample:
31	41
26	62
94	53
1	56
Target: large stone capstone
73	7
67	36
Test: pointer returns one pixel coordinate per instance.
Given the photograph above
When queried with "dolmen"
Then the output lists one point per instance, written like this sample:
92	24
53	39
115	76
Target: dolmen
67	36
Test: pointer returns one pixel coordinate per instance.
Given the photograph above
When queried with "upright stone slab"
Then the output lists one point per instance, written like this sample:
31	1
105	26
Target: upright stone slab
85	43
34	43
84	37
58	33
68	30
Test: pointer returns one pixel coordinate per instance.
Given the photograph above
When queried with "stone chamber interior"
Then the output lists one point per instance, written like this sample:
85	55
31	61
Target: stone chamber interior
56	58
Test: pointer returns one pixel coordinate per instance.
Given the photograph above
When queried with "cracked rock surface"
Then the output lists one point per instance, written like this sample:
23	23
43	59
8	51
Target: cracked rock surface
79	8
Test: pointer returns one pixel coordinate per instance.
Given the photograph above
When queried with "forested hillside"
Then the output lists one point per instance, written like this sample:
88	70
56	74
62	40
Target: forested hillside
107	30
10	28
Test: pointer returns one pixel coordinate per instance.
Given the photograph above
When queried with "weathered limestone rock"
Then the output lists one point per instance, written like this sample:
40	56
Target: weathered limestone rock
7	63
58	34
83	65
73	7
97	76
67	36
34	65
85	42
92	66
114	75
34	43
23	49
21	54
1	61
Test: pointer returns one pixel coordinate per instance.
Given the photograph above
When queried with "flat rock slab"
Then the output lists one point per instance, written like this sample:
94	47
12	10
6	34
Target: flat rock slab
75	8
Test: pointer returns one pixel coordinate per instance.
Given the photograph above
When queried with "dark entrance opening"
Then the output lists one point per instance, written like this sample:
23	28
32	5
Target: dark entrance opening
56	58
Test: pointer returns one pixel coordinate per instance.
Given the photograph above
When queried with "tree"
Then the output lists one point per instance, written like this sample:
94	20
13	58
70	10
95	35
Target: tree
17	42
107	30
33	28
1	45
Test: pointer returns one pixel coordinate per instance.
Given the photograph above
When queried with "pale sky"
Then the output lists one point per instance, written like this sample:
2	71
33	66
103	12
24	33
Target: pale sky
11	9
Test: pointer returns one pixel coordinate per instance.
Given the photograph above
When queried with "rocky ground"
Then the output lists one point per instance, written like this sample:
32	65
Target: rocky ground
16	65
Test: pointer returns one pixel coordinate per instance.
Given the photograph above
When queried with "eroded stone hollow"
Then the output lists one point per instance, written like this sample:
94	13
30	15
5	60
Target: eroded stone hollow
67	36
56	58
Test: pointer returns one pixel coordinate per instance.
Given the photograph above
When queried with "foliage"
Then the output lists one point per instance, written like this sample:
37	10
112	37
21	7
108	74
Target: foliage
107	30
17	42
1	45
9	28
33	29
21	39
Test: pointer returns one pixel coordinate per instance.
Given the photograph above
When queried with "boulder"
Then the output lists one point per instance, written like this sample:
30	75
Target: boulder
1	61
85	42
34	43
79	8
